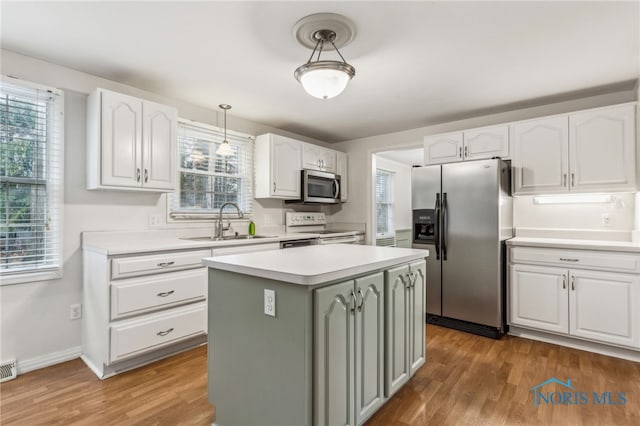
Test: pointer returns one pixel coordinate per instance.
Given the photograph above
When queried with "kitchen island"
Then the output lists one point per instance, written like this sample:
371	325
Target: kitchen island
313	335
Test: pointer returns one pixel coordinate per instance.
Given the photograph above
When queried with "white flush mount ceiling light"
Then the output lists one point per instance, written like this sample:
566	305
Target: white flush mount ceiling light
225	149
324	79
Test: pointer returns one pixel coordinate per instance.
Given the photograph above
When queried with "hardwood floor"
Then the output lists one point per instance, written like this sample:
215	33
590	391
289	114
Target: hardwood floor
467	380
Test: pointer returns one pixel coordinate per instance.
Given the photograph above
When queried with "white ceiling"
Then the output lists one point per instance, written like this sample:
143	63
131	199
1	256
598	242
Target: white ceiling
417	63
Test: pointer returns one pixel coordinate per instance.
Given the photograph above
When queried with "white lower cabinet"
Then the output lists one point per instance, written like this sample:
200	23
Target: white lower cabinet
349	351
142	307
601	306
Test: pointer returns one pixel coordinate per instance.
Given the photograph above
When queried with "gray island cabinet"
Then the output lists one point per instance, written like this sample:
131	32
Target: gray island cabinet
317	335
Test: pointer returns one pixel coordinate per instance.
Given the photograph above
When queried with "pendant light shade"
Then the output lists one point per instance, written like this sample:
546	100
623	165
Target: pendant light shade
225	149
324	79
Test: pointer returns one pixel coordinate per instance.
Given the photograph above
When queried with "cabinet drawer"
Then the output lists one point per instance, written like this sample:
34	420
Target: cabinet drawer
130	338
139	295
152	264
599	260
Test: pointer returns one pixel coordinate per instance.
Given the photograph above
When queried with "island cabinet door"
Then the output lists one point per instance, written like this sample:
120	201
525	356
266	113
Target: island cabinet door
334	376
396	328
369	354
417	316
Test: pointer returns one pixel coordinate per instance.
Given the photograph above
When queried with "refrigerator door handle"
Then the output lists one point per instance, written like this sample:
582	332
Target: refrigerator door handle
445	219
436	235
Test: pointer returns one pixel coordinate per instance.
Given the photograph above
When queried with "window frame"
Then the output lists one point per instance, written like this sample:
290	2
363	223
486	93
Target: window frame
54	184
390	229
208	216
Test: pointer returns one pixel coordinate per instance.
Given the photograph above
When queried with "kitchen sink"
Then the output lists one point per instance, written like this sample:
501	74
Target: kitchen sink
228	237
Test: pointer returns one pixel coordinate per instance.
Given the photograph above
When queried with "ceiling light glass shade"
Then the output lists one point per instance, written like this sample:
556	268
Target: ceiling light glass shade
224	149
324	79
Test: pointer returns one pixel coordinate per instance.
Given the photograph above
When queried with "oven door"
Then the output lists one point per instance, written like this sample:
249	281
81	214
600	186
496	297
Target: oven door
320	187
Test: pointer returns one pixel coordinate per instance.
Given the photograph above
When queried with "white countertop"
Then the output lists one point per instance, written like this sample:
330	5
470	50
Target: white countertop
112	244
313	265
624	246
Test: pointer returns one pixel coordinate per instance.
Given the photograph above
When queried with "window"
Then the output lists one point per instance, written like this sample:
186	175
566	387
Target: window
31	159
384	203
207	180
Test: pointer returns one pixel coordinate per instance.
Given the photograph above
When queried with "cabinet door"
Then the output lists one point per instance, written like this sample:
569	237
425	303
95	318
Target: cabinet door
443	148
541	155
604	307
538	297
417	317
369	350
396	295
315	157
334	374
121	140
487	142
342	171
286	165
159	146
602	149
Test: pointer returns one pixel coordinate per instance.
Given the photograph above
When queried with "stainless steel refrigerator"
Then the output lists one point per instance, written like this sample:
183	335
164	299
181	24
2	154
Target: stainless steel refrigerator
462	213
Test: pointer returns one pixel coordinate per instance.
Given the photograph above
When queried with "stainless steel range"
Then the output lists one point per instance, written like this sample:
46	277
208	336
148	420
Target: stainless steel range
316	223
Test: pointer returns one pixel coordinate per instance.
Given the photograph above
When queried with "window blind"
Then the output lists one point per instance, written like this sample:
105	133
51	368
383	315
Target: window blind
384	203
206	180
31	161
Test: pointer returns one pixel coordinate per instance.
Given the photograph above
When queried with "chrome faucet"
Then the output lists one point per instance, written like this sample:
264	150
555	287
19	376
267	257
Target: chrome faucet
219	226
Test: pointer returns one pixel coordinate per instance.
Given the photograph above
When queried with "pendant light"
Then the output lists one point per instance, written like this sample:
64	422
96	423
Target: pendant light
324	79
225	148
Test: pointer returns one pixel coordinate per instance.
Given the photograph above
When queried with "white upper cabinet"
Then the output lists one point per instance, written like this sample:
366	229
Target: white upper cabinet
445	148
541	155
602	149
473	144
315	157
342	171
587	151
131	143
277	167
486	142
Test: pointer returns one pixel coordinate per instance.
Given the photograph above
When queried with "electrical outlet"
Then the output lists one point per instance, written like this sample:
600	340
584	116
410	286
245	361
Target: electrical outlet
75	311
269	302
154	220
606	219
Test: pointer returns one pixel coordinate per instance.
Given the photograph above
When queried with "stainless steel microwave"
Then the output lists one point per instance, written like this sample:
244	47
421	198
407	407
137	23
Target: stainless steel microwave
320	187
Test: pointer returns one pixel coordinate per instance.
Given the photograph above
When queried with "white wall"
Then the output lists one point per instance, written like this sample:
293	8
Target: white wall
361	150
401	191
34	317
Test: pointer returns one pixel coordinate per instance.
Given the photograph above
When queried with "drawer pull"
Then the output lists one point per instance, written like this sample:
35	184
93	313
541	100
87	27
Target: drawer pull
565	259
164	333
165	264
166	293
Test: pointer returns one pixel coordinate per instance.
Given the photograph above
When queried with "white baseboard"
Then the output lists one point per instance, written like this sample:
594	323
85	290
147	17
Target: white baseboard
24	366
572	342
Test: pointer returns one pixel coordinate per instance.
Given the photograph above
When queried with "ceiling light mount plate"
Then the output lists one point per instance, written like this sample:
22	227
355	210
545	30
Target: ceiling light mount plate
310	29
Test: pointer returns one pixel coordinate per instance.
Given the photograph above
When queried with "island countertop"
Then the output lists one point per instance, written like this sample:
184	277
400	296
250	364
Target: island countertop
312	265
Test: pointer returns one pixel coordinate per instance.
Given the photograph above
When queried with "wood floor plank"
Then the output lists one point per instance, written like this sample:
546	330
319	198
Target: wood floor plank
467	380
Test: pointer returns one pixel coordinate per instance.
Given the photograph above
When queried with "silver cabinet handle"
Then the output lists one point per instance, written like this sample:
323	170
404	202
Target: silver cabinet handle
166	293
466	152
460	155
564	180
164	333
564	281
566	259
573	283
361	300
353	301
138	174
165	264
414	277
146	175
408	283
274	187
573	179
